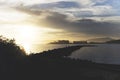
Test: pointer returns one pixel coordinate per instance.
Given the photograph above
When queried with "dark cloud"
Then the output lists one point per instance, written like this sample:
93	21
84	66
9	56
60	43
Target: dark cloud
84	26
28	11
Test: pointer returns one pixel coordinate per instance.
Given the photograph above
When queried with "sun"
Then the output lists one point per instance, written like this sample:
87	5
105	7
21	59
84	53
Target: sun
27	47
29	35
26	36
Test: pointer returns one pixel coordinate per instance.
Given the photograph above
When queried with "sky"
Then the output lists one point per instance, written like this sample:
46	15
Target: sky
41	21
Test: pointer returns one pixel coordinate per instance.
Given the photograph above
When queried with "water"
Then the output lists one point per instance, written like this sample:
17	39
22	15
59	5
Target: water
44	47
101	53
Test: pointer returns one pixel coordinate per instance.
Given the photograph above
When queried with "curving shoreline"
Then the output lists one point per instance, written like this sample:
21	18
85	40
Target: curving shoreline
51	65
57	65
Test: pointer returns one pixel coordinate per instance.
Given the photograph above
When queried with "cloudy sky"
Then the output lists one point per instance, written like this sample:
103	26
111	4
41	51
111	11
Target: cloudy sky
41	21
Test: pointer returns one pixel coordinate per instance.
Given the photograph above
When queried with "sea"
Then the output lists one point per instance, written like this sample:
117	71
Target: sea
100	53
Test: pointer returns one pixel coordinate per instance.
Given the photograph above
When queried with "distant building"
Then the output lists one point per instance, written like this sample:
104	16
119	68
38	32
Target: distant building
79	42
61	42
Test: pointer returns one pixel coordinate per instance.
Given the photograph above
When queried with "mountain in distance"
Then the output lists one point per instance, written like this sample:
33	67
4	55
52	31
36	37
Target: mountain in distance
114	41
100	40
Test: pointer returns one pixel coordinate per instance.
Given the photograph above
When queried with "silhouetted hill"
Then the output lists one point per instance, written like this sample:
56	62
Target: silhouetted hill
60	42
104	39
50	65
114	41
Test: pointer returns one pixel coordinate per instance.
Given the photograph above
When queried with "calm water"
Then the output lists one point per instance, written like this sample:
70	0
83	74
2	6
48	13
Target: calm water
101	53
45	47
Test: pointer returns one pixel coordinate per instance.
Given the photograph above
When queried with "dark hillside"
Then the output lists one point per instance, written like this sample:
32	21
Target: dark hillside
50	65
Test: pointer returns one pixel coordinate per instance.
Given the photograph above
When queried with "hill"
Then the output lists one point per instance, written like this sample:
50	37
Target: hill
50	65
114	41
104	39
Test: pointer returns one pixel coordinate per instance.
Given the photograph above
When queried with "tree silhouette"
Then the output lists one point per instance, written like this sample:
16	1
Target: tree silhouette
10	56
50	65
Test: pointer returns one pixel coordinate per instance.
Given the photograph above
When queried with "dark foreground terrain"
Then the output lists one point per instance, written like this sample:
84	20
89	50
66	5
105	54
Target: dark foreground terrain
50	65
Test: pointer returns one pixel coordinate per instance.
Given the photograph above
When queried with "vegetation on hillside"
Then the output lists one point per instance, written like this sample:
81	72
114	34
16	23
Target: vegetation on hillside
50	65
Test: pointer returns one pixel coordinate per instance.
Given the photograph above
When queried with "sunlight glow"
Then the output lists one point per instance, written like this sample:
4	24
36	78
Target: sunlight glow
28	35
16	24
27	47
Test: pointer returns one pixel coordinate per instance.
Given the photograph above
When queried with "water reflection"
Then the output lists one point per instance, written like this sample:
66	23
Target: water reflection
44	47
101	53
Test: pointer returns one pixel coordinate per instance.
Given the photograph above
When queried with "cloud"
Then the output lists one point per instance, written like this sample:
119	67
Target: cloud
69	19
64	22
61	4
77	8
74	18
81	8
84	26
97	11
